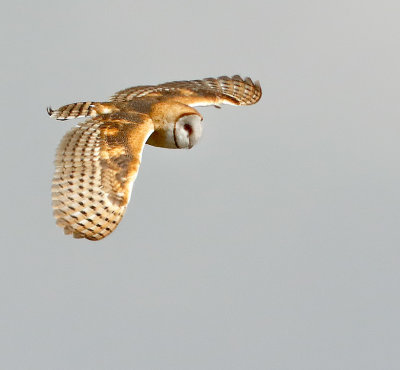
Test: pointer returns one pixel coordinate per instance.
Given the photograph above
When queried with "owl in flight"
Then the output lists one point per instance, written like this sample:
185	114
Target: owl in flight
97	162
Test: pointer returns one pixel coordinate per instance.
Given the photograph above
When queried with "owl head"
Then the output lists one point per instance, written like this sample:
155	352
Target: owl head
178	129
187	131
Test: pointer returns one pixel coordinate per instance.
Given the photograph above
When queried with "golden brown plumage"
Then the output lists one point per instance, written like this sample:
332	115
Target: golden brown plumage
97	162
209	91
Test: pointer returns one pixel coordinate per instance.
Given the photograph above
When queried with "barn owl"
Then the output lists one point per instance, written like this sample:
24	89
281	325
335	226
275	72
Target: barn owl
97	161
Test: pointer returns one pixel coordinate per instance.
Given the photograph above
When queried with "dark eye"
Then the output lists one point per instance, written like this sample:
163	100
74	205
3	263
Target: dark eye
188	128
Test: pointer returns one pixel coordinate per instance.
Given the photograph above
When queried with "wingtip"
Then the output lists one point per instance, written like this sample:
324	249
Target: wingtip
258	87
255	83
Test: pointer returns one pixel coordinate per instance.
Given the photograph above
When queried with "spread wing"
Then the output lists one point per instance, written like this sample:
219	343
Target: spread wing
209	91
96	165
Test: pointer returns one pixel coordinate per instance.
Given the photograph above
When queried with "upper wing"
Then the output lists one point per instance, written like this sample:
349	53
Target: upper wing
210	91
96	165
81	109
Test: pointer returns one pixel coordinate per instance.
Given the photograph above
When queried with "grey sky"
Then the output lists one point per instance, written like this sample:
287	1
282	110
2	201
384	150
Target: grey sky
272	244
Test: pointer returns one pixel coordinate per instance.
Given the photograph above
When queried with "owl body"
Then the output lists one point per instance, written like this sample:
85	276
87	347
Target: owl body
97	162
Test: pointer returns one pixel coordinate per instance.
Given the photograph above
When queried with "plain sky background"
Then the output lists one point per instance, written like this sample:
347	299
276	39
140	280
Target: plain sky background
273	244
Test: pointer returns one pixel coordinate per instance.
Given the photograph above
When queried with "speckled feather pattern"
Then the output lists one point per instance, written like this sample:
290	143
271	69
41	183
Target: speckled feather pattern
80	204
94	171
